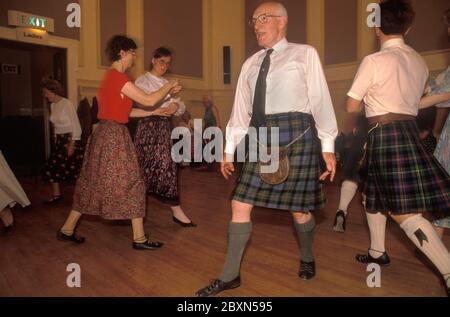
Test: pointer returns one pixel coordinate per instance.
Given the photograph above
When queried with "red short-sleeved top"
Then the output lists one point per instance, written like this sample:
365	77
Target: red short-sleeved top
113	105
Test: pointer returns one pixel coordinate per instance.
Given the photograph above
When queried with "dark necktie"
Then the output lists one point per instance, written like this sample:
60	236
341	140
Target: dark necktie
259	102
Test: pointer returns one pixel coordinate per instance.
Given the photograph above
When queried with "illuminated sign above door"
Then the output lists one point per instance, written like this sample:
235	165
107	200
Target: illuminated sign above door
27	20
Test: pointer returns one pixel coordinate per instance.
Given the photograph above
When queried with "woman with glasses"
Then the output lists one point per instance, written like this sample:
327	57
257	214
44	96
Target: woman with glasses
153	139
110	183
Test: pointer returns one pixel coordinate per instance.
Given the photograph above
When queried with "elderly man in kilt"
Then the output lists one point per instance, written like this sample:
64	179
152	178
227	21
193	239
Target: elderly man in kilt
282	86
403	180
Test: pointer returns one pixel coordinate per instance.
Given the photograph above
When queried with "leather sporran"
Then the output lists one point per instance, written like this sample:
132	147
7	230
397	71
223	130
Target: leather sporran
282	172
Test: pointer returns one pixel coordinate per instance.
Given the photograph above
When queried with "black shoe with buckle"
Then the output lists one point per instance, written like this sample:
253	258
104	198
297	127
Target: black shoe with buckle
73	238
339	221
184	224
218	286
307	270
147	245
367	258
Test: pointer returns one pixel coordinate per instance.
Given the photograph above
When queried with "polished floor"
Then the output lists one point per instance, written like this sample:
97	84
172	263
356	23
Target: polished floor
34	263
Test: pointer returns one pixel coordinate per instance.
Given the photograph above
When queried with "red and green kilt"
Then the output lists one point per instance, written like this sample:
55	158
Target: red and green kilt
402	176
302	191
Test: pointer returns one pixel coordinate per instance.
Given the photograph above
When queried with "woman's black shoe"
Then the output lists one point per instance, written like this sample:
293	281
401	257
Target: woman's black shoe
147	245
8	230
218	286
54	200
184	224
73	238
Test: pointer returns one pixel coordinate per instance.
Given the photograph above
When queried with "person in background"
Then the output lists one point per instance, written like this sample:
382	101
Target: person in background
66	158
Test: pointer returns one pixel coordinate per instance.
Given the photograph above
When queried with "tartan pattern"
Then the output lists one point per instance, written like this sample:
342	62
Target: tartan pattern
302	191
402	176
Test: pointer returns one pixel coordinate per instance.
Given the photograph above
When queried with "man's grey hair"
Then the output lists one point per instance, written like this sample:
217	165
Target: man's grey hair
281	9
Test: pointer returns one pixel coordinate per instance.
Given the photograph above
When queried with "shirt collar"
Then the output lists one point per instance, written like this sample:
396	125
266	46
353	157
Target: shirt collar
277	48
393	43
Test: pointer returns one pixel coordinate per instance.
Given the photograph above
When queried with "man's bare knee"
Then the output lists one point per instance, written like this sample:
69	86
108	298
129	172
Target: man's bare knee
241	212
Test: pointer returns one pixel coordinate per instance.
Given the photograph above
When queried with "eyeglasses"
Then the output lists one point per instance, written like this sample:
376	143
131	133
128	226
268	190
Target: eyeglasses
163	63
263	19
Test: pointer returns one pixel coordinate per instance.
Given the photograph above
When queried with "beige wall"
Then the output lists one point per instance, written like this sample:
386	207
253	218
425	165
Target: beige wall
428	32
340	31
176	24
113	21
55	9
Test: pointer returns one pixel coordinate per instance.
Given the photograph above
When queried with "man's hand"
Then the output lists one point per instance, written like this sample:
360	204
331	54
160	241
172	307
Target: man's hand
330	160
226	167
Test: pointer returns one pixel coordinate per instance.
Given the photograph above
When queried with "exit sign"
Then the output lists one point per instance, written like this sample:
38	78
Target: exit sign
27	20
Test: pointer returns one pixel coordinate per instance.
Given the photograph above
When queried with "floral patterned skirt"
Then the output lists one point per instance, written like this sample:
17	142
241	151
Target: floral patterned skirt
110	183
60	167
153	145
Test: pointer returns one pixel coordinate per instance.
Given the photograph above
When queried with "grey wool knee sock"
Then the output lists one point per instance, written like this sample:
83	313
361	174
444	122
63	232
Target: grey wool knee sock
305	233
238	236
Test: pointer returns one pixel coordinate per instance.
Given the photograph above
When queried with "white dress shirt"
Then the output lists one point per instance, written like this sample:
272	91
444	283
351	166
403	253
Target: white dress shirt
65	119
295	83
150	83
391	81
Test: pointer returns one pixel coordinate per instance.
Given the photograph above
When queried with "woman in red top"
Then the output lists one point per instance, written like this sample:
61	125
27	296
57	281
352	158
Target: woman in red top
110	183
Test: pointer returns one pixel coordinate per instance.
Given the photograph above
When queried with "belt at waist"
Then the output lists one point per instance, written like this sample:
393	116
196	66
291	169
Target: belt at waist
389	118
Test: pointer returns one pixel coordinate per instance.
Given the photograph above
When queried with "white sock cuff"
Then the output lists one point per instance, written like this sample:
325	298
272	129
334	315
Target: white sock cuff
413	223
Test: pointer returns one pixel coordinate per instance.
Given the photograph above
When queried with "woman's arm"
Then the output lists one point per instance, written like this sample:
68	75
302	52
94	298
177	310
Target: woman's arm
150	100
429	101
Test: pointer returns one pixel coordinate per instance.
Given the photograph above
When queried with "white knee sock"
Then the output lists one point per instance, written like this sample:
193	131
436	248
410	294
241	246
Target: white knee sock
422	233
348	191
377	228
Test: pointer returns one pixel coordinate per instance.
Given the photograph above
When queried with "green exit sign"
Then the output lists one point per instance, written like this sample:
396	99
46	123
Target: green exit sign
22	19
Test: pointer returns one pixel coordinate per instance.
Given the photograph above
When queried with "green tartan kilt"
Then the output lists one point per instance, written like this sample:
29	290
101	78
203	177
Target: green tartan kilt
302	192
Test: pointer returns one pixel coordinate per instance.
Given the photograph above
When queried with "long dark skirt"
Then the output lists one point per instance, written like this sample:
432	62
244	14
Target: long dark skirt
60	167
302	192
402	176
110	183
154	145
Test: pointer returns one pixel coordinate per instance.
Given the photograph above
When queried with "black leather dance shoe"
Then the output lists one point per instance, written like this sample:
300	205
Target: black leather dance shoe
218	286
184	224
73	238
307	270
367	258
8	230
54	200
147	245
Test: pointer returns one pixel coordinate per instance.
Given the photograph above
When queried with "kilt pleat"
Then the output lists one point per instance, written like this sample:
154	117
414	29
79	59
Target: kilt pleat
402	176
302	191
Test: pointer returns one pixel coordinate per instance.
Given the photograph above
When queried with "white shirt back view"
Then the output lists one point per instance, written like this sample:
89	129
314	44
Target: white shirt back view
391	81
65	119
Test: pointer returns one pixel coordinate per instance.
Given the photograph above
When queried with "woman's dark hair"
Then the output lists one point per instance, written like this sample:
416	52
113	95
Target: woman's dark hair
397	16
119	43
53	85
161	52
